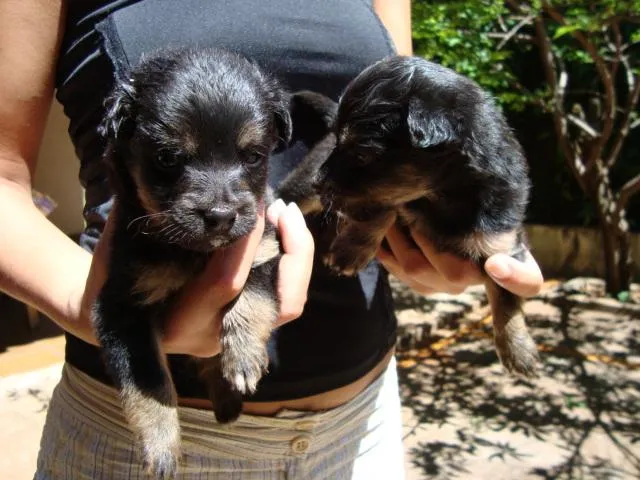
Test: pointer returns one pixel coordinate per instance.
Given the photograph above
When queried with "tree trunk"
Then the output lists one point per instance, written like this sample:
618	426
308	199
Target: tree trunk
617	255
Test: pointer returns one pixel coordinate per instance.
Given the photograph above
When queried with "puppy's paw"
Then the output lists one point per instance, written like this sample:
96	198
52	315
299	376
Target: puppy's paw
161	465
244	367
518	354
158	431
227	408
162	449
347	262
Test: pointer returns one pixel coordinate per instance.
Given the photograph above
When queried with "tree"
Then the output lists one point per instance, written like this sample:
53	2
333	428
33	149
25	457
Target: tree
589	55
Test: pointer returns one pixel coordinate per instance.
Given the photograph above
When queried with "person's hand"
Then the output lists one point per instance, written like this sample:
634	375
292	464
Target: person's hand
194	325
418	264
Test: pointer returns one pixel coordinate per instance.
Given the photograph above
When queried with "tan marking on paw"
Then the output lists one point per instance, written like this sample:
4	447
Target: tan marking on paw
157	427
245	331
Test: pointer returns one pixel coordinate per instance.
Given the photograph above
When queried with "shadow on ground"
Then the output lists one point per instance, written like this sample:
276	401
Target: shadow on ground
466	419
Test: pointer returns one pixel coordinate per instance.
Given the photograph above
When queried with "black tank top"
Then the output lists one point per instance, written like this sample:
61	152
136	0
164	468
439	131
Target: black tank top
348	324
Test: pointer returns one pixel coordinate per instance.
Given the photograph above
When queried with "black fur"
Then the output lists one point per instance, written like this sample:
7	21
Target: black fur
416	142
189	136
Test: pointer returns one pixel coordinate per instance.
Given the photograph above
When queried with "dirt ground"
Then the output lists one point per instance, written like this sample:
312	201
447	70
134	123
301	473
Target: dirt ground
464	418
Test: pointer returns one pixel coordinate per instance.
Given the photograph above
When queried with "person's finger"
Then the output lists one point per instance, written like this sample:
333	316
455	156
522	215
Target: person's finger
275	210
522	278
406	254
456	270
414	267
392	266
296	262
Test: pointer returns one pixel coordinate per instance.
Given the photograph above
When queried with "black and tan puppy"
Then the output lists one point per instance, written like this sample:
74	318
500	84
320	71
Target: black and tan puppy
414	141
188	138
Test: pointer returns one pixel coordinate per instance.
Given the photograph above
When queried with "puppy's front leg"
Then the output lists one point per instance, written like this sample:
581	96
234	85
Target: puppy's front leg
133	356
245	331
357	241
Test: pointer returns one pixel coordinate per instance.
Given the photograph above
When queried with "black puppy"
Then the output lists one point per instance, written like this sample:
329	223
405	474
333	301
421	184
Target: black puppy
188	137
415	142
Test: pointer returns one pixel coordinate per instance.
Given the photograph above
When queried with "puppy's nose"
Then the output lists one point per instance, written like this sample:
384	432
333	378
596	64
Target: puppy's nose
219	218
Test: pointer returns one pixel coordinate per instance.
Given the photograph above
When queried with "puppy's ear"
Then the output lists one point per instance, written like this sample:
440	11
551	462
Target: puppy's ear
118	121
282	120
313	116
429	127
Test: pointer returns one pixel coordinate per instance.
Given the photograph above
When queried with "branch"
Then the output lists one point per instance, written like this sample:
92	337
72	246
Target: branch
622	18
618	49
525	21
625	127
501	36
584	126
605	78
627	191
558	83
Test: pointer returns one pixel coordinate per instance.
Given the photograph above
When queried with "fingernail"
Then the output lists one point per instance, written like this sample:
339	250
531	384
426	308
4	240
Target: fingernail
275	210
498	268
293	207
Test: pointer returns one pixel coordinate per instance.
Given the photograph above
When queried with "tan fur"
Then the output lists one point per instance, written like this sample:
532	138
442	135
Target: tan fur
357	241
156	283
250	134
479	245
189	143
310	205
146	199
406	185
245	331
268	249
154	421
515	347
344	136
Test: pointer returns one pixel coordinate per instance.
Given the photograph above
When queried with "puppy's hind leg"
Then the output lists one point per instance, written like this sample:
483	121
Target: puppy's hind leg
134	359
226	401
515	347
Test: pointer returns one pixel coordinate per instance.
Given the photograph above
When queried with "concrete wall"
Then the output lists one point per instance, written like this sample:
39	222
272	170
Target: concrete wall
572	251
57	173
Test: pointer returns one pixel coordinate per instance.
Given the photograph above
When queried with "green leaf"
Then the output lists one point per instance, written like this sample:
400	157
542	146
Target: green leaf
624	296
564	30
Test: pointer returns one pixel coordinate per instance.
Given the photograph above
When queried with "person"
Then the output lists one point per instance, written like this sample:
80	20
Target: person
329	408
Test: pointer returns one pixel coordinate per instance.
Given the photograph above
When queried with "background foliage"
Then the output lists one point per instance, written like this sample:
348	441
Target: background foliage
490	41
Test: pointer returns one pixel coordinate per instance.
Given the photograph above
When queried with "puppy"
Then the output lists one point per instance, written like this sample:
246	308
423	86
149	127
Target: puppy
415	142
188	140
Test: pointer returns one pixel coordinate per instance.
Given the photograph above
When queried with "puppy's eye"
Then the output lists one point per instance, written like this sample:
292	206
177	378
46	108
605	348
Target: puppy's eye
167	161
362	160
254	158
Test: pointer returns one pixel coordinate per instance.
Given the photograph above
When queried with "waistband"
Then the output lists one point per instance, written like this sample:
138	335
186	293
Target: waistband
288	433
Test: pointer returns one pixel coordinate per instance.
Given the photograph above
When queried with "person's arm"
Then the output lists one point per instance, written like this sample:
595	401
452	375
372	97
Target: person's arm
41	266
38	263
396	17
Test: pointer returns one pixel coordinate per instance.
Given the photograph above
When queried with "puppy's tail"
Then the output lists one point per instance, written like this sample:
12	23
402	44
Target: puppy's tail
516	349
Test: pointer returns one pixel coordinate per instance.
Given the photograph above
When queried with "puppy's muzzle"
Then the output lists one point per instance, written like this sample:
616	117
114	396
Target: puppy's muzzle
218	219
